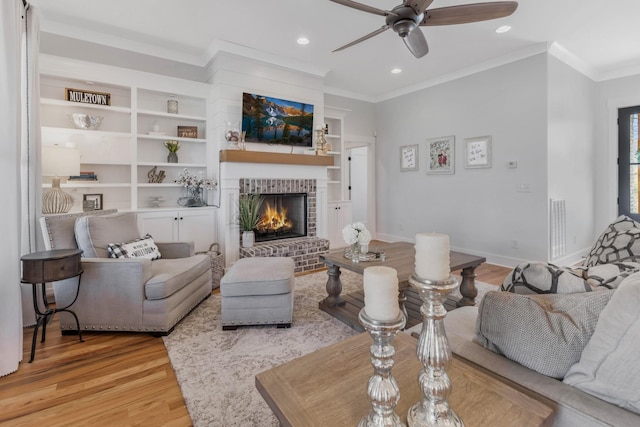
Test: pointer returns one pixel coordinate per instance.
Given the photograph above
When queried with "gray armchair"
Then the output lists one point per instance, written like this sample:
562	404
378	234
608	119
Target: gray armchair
125	294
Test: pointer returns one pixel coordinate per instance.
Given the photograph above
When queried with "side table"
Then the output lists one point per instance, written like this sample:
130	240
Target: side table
50	266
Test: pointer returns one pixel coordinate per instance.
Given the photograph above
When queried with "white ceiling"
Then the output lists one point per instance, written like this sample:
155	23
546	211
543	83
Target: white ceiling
600	38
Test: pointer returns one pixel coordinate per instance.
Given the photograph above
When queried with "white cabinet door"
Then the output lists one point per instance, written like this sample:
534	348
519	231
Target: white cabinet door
339	217
162	225
197	225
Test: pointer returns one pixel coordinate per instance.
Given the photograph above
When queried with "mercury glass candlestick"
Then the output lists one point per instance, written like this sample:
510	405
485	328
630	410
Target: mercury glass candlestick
382	388
433	351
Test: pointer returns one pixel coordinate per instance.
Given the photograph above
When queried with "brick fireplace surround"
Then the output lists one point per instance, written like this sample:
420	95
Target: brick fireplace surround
305	251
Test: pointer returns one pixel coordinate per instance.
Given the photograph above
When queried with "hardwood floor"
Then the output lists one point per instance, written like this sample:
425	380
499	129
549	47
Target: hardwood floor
112	379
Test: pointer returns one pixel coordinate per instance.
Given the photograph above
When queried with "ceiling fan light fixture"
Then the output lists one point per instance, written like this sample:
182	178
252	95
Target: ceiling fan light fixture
302	41
404	27
503	29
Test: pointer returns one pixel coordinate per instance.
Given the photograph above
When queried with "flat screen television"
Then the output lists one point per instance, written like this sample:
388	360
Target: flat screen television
277	121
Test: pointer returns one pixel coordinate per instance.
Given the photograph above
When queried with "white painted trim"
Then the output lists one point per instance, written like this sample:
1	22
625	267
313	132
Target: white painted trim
561	53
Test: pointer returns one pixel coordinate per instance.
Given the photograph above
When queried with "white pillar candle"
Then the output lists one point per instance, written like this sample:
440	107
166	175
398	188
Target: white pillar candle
381	293
432	256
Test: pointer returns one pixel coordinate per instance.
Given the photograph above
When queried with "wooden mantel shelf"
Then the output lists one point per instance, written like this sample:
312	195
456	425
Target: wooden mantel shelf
240	156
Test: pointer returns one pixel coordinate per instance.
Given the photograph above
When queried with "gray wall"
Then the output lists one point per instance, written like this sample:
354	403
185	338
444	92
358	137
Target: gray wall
479	208
571	151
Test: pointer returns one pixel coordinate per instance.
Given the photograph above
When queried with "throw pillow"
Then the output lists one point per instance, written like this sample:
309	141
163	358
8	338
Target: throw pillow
608	368
143	247
93	233
610	275
546	333
619	242
543	278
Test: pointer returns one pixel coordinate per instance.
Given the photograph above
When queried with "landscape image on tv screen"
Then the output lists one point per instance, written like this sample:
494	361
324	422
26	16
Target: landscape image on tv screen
276	121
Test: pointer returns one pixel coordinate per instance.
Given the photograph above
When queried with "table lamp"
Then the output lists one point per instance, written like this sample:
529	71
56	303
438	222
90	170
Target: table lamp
58	161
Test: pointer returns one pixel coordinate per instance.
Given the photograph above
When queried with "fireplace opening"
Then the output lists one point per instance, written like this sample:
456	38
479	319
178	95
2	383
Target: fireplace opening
282	216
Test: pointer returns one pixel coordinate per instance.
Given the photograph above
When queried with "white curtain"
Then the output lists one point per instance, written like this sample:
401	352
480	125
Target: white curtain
30	148
10	126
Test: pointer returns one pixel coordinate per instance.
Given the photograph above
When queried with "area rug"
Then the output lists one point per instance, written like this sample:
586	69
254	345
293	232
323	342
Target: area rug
216	370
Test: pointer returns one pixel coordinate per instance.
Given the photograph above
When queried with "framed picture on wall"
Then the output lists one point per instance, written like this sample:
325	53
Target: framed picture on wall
92	202
477	152
409	158
441	155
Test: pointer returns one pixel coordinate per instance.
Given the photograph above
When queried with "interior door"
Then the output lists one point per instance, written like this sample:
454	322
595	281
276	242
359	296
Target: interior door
358	184
628	162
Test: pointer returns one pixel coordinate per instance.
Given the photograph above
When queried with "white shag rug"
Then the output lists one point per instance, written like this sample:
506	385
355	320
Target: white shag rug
216	369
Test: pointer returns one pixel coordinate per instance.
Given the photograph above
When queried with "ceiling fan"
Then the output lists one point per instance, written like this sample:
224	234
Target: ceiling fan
405	19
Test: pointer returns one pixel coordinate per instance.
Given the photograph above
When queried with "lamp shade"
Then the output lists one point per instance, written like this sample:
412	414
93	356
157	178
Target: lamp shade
60	161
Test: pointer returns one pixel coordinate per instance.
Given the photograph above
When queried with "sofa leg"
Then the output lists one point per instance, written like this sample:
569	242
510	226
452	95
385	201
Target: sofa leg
229	328
284	325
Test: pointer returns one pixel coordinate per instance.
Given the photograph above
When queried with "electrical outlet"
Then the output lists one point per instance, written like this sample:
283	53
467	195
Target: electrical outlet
514	244
523	188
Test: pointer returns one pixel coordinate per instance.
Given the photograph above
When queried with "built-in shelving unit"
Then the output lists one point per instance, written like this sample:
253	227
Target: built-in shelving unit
129	142
334	120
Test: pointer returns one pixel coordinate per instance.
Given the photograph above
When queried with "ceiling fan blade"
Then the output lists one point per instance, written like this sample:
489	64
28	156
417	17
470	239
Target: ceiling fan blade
417	43
364	7
466	13
361	39
419	6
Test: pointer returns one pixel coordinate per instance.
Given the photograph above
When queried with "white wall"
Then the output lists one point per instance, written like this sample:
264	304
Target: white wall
571	152
479	208
230	76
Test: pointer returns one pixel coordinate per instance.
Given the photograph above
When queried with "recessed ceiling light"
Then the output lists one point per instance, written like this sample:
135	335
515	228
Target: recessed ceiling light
503	29
303	41
396	71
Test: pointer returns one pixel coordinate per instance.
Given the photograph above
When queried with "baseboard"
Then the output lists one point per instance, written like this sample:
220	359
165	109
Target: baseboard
501	260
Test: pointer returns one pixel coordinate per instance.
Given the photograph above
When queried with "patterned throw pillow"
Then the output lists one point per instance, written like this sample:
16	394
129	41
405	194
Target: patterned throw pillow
544	278
546	333
610	275
619	242
143	247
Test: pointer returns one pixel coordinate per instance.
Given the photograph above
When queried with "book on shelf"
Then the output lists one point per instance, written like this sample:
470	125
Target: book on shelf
84	176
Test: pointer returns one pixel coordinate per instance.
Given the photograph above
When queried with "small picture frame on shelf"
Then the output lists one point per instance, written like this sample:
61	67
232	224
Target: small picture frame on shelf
92	202
409	158
441	155
477	152
187	131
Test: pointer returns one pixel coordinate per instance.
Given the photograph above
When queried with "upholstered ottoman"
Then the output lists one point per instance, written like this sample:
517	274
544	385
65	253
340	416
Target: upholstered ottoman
258	291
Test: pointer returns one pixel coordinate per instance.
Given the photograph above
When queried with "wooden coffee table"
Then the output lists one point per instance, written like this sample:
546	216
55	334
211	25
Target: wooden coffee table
329	388
401	256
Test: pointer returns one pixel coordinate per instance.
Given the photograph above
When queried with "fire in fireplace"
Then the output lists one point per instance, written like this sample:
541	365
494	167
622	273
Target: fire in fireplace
283	216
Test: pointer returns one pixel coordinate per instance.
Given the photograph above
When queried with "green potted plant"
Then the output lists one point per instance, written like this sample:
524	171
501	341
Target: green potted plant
173	147
249	217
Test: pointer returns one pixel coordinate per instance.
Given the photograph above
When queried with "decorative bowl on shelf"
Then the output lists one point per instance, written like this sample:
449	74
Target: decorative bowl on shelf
85	121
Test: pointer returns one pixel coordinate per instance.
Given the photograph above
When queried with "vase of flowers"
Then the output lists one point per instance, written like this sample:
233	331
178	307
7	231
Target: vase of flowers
358	237
194	186
173	147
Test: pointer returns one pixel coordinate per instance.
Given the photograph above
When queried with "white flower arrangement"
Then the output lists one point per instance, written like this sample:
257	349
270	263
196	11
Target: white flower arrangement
188	180
356	233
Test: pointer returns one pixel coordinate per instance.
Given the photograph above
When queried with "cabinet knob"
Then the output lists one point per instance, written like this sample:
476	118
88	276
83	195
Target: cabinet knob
181	218
175	219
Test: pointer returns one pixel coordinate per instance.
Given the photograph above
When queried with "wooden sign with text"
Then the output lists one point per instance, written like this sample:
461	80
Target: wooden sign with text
87	97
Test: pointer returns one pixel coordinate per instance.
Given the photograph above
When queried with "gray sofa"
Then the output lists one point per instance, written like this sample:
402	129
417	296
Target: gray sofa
125	294
573	407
